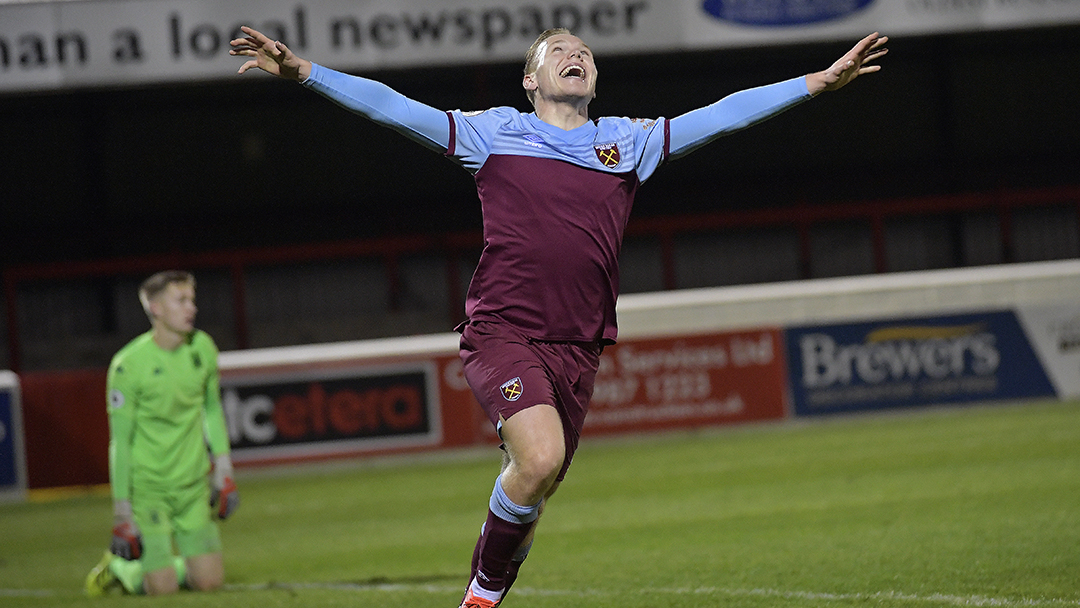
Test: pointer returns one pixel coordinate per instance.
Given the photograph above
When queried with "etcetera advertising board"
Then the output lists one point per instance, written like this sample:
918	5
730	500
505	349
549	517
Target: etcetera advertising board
916	361
331	412
59	44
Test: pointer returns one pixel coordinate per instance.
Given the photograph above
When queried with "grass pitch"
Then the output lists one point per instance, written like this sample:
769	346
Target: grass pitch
975	506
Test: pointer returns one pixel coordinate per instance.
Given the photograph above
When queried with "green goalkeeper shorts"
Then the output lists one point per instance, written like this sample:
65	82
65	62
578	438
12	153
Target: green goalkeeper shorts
181	516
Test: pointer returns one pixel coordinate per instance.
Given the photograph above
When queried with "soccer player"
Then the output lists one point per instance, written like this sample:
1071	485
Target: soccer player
164	408
555	187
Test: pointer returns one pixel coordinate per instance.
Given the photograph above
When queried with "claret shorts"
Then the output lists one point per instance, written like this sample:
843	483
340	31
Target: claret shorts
509	372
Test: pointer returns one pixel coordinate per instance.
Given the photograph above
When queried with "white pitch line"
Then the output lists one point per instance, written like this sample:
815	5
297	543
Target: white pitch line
936	598
956	600
896	596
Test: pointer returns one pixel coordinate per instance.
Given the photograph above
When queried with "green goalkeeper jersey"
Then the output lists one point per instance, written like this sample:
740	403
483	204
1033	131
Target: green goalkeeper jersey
164	408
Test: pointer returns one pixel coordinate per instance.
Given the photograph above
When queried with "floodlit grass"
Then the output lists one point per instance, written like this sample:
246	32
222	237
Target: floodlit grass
971	506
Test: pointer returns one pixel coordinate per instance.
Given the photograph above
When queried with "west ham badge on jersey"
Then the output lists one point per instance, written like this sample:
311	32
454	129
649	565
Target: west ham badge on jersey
608	154
511	389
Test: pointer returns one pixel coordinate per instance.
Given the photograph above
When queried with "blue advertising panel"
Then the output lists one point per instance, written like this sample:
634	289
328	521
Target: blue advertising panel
912	362
12	465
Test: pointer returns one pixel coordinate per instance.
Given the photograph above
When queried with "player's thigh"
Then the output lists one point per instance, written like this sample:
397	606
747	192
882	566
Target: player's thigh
153	515
534	437
194	529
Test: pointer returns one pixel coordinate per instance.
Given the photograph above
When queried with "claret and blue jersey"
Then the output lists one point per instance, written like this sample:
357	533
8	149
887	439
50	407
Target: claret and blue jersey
555	202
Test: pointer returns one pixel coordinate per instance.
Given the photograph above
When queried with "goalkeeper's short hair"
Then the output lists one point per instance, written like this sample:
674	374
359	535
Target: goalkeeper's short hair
157	283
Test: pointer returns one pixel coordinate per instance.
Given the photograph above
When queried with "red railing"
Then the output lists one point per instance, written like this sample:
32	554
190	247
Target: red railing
800	216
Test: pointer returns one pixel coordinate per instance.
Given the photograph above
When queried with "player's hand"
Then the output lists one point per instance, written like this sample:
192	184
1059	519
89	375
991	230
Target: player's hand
225	498
223	494
270	56
851	65
126	537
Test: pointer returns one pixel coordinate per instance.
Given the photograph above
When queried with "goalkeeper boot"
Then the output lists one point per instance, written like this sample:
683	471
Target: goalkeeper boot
101	579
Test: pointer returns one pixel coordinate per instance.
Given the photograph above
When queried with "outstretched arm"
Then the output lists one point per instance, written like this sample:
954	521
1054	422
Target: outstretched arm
371	99
745	108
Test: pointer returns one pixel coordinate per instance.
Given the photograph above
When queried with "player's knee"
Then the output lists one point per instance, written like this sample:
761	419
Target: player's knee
207	581
160	585
542	466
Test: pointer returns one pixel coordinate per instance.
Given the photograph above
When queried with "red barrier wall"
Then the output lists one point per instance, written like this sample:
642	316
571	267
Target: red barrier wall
66	428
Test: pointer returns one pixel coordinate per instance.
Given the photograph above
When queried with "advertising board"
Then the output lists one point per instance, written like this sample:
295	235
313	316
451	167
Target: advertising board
912	362
12	456
684	381
311	413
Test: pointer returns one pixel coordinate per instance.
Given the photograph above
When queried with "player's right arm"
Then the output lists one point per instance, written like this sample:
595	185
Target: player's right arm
121	390
373	100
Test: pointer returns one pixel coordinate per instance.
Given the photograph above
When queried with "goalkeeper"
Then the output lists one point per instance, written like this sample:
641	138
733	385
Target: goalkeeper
164	408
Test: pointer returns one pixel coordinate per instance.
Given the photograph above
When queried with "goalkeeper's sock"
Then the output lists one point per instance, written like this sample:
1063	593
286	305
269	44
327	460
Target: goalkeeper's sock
129	573
180	565
506	528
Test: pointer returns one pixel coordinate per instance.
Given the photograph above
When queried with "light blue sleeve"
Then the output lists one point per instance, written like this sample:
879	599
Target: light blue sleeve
474	132
650	139
381	104
733	113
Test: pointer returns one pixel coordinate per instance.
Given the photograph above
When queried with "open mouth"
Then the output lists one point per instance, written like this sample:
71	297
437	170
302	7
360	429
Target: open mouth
573	71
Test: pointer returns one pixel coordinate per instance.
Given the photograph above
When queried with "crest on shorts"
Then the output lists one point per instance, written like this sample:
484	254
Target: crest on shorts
511	389
608	154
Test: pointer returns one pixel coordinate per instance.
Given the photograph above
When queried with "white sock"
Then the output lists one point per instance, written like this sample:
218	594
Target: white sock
479	591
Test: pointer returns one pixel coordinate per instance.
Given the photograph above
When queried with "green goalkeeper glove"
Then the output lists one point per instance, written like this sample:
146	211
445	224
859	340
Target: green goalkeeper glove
223	494
126	537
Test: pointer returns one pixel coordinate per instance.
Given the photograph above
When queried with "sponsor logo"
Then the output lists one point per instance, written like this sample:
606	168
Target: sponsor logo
779	13
898	353
534	140
511	389
608	154
960	358
355	407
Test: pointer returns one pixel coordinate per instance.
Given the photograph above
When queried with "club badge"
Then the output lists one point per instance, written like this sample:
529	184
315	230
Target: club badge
511	389
608	155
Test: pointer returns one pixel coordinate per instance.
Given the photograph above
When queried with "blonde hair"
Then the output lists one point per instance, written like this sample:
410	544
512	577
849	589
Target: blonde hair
157	283
532	56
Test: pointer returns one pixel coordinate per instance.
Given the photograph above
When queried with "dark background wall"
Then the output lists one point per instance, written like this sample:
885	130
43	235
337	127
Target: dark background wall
256	161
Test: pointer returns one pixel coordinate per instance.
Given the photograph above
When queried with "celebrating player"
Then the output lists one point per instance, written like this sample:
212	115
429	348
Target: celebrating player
164	408
556	188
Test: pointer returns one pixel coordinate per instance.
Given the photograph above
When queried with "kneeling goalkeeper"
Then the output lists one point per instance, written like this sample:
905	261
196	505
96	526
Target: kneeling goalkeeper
164	406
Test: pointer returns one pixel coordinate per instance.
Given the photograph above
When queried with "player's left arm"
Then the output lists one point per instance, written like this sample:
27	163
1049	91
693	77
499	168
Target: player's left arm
223	493
738	111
